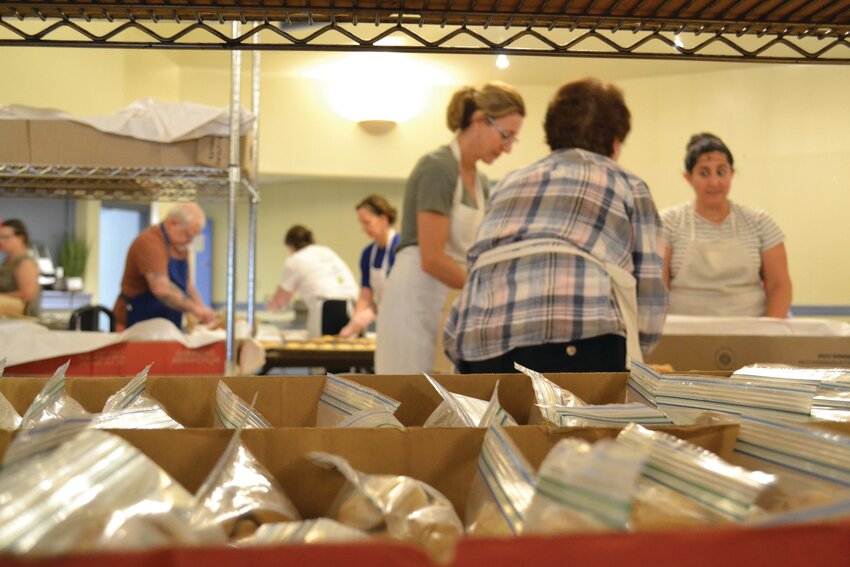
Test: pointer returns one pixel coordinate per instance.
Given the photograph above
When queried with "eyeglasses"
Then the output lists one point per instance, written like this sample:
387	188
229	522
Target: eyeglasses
507	137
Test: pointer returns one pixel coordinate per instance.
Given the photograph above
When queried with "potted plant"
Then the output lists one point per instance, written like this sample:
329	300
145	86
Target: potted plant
72	257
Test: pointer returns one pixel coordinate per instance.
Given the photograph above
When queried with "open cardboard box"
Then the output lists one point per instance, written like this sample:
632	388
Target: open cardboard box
292	401
730	352
60	142
442	457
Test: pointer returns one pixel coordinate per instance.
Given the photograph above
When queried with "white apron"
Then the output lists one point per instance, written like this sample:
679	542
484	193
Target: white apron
378	276
412	311
623	284
717	278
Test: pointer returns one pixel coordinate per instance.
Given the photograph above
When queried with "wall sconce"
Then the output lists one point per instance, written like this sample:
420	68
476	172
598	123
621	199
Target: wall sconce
378	90
377	127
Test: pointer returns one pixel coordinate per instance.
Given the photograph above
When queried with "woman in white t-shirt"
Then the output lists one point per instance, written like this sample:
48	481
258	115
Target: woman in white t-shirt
318	275
722	258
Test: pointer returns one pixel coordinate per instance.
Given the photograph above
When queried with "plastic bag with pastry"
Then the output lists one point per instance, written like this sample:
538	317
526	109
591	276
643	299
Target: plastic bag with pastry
9	417
685	485
834	509
547	395
319	530
457	410
131	408
341	399
585	488
399	507
812	466
502	488
231	411
95	492
240	494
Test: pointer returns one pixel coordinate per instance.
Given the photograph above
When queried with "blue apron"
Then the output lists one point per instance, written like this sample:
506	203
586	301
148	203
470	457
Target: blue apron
147	306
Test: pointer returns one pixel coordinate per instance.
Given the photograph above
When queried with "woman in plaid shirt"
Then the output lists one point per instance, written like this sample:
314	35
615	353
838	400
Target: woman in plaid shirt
566	271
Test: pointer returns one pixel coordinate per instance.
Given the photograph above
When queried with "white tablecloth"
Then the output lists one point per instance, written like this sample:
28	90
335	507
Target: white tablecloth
754	326
23	341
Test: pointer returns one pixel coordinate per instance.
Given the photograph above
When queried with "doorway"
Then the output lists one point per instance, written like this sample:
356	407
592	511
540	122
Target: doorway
120	223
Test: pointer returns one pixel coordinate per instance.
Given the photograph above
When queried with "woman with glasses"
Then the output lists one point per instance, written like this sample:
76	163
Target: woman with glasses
443	206
19	271
565	273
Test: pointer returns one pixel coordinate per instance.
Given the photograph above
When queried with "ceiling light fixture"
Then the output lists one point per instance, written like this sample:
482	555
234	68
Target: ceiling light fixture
502	61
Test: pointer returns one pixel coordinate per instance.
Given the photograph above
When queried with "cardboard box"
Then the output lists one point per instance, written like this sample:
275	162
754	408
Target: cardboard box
445	458
60	142
128	359
718	352
291	401
14	142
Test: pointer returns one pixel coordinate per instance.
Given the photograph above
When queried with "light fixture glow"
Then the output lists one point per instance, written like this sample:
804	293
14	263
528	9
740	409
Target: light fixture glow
502	61
677	41
378	86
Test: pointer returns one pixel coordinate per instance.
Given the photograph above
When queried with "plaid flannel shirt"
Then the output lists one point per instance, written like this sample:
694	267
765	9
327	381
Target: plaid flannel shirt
589	201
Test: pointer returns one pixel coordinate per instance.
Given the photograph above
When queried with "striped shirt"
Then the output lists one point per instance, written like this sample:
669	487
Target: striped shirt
584	199
756	231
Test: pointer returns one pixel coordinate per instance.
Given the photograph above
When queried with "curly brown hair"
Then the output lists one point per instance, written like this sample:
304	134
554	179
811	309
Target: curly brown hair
587	114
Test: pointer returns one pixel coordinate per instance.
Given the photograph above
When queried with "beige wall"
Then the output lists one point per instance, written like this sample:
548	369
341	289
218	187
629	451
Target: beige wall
786	125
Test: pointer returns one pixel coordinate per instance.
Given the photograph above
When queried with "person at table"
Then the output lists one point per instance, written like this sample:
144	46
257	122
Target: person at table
722	258
444	202
566	271
156	281
321	278
376	218
19	271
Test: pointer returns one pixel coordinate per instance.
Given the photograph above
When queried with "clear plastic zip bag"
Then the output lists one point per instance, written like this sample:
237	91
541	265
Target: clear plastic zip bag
562	408
51	403
240	494
95	492
231	411
547	395
398	507
502	488
684	485
131	408
812	466
52	418
10	420
585	488
457	410
344	403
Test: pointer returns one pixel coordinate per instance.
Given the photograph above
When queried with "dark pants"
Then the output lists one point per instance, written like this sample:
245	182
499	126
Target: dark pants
606	353
334	316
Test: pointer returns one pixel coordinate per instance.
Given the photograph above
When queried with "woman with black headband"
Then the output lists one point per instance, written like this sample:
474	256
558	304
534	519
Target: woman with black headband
722	258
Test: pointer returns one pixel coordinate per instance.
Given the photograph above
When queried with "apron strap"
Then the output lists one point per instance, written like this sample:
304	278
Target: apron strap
623	284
